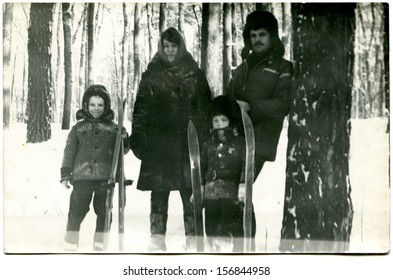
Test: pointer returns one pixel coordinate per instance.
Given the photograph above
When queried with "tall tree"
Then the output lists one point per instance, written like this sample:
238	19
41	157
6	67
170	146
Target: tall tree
235	48
162	20
137	56
204	34
180	23
66	9
227	50
318	208
57	70
211	56
90	43
386	57
7	27
124	53
39	80
149	13
82	78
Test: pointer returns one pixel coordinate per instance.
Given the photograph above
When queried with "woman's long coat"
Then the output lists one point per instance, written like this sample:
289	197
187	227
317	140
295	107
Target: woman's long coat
167	99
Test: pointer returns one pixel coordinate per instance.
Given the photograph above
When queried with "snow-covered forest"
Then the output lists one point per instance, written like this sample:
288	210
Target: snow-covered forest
124	37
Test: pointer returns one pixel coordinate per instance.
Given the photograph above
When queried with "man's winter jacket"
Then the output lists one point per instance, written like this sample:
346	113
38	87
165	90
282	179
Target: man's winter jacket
267	88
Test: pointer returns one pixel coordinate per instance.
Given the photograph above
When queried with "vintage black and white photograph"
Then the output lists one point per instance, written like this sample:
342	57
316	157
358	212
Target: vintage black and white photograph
196	128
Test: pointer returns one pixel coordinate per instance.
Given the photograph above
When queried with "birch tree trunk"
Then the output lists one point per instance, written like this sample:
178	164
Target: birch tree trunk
235	47
318	208
204	35
90	43
162	21
386	59
67	66
137	59
82	60
7	36
39	80
227	50
181	20
149	12
124	54
211	46
56	71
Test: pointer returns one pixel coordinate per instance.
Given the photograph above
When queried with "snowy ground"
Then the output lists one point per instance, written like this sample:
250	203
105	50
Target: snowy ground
36	205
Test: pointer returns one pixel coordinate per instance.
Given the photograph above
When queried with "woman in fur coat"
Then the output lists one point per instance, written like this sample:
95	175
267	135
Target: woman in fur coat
172	91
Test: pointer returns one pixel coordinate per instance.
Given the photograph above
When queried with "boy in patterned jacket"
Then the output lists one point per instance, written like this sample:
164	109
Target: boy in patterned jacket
223	172
87	163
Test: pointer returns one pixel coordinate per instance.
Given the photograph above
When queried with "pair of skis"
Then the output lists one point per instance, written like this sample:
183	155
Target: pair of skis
117	170
194	153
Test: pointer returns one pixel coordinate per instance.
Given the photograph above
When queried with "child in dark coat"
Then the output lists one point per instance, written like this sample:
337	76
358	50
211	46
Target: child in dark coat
223	172
87	163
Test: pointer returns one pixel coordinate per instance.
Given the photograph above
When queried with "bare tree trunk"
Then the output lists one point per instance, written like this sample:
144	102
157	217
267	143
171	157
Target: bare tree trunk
7	36
149	12
56	72
24	89
386	74
259	7
65	124
181	20
137	59
235	47
204	35
286	36
211	55
12	89
162	21
227	50
82	59
318	208
98	21
124	54
90	43
39	87
242	13
129	96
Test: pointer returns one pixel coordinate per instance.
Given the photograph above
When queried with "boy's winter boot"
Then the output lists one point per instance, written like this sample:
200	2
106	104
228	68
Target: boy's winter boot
98	246
71	241
157	243
70	247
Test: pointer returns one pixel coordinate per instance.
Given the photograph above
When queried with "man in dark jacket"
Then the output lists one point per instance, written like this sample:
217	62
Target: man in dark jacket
262	84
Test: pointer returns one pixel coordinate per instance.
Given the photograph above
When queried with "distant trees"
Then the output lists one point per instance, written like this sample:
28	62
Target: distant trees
213	34
370	90
7	36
